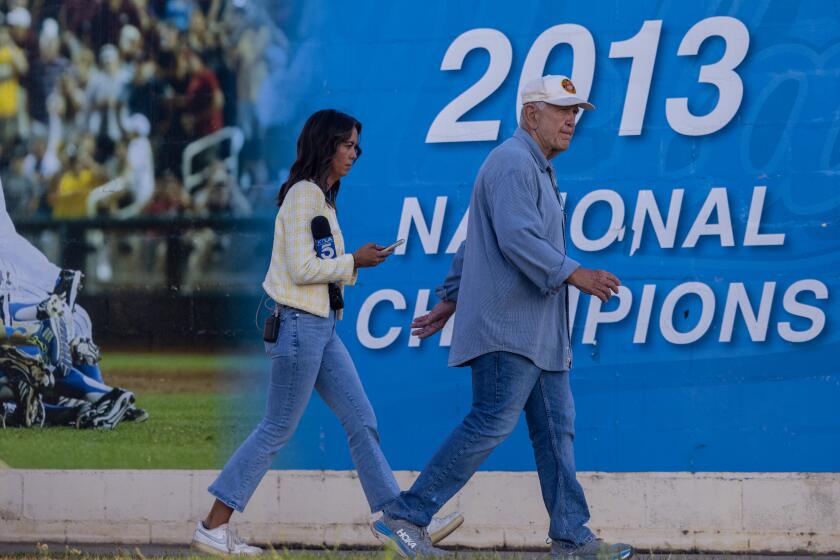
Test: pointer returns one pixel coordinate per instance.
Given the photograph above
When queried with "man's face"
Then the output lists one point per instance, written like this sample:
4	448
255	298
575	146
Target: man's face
555	126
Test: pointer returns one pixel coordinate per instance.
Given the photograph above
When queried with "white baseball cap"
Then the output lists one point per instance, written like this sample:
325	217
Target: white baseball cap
19	17
556	90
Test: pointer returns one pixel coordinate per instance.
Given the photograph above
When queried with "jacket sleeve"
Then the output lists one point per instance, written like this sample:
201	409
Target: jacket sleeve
298	210
354	276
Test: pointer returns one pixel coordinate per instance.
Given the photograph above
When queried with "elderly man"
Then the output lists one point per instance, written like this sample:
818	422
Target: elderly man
510	282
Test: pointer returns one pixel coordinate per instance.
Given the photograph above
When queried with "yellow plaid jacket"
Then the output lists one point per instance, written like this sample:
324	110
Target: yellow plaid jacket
296	276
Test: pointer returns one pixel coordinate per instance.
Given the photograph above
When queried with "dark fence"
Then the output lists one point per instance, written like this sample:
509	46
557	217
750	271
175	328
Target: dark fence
154	283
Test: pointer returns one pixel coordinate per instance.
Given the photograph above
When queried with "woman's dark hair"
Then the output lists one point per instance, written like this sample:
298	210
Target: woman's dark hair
317	144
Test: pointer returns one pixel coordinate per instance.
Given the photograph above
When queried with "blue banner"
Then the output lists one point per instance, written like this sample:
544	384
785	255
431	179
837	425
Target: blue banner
706	180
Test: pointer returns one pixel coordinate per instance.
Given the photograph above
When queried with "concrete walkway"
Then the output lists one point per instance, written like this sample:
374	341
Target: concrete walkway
738	513
58	550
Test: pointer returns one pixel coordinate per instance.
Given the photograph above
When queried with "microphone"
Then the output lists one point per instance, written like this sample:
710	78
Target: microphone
325	249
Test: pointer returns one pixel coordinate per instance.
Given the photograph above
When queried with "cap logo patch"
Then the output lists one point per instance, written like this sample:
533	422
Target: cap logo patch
568	85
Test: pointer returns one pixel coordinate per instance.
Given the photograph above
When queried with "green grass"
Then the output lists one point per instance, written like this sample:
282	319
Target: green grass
144	552
187	397
182	433
44	552
128	362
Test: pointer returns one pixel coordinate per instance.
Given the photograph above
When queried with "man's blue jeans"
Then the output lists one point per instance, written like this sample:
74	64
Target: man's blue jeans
503	385
309	355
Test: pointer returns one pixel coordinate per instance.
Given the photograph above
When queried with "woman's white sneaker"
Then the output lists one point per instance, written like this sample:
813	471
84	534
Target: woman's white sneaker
221	541
442	527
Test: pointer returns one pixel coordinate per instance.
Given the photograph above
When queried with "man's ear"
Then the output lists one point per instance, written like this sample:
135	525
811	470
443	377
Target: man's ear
529	117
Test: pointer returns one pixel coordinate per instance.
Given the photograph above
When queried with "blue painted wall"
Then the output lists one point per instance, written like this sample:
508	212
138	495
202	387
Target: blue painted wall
760	402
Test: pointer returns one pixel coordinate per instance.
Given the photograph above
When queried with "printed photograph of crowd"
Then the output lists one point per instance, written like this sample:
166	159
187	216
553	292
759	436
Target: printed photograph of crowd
126	128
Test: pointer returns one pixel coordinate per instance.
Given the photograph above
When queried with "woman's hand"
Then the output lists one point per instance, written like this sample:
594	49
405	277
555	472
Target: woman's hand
370	254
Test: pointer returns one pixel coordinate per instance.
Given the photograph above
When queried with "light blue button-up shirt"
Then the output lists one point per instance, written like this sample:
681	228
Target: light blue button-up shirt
509	275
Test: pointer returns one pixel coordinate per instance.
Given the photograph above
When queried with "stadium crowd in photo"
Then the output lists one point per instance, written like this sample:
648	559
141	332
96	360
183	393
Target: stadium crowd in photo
141	143
127	109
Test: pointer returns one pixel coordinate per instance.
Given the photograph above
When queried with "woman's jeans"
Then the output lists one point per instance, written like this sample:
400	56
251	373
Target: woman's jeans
308	354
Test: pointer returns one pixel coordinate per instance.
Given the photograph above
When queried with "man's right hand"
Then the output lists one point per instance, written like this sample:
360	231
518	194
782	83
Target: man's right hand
430	323
370	254
598	283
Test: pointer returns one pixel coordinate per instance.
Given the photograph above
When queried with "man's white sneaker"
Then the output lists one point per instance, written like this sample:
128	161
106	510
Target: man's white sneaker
221	541
442	527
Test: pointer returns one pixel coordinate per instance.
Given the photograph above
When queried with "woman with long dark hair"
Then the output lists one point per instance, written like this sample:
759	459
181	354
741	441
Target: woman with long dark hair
307	353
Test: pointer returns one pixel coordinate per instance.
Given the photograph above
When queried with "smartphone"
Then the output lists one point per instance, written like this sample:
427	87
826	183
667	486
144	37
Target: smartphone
393	246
